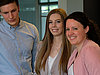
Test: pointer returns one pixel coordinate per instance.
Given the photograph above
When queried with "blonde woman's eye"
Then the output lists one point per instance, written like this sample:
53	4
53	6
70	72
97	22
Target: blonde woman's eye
50	22
58	21
67	29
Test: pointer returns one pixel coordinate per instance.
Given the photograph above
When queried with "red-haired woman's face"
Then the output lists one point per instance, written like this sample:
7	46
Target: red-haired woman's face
55	24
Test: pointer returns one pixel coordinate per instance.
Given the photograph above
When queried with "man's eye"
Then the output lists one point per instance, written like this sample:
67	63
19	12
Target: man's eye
13	10
5	12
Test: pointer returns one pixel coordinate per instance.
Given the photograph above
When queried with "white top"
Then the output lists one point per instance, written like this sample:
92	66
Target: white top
50	63
70	70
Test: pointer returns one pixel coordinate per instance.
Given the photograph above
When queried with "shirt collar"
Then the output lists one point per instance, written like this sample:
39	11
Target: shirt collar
10	27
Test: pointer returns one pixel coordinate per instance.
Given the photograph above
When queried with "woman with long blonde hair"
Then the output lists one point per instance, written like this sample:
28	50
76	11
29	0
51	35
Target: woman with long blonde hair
53	55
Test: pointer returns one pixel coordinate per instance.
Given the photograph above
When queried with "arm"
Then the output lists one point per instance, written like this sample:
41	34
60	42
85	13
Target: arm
38	49
35	43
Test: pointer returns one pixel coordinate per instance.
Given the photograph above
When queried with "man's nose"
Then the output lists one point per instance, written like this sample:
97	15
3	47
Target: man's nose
10	15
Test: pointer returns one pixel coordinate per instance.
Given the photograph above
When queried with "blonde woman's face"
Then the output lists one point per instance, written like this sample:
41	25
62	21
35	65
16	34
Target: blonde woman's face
55	24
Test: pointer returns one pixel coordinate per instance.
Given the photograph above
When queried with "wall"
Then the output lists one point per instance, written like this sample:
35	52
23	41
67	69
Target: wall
91	8
71	5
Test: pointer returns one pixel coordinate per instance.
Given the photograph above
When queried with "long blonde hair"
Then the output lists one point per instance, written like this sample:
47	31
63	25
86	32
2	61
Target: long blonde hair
47	42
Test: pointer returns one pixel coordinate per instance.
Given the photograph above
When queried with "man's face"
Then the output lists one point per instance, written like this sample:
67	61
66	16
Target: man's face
10	13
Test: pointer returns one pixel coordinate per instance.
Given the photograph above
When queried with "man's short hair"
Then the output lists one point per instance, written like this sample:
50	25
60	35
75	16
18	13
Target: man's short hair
4	2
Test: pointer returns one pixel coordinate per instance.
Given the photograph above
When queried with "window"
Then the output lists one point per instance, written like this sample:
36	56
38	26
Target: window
43	1
28	11
45	7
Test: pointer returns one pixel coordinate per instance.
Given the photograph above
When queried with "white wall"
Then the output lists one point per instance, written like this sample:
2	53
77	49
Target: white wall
62	4
71	5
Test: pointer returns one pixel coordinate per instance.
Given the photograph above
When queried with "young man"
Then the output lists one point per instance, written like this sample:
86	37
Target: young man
18	41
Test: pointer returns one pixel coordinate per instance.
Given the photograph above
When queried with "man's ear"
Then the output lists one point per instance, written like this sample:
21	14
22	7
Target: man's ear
0	13
86	29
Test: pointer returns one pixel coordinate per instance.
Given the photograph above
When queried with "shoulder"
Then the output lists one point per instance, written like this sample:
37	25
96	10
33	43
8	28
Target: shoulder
31	28
91	51
27	24
91	54
91	46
